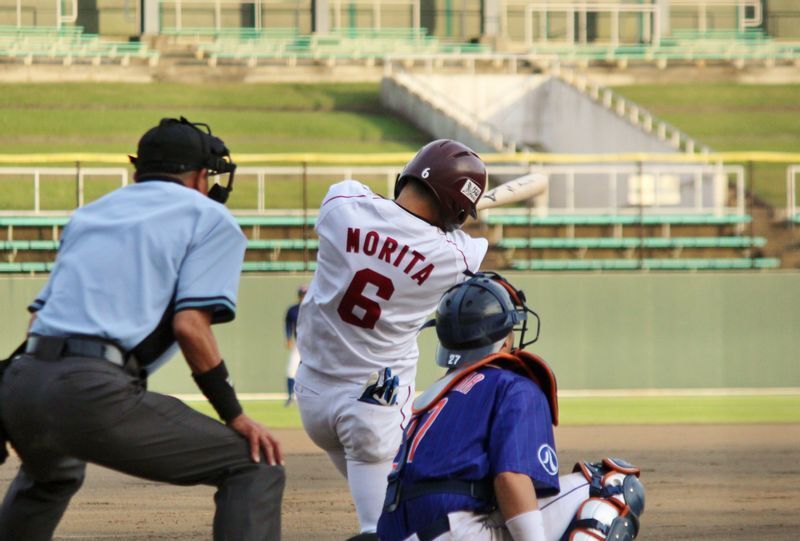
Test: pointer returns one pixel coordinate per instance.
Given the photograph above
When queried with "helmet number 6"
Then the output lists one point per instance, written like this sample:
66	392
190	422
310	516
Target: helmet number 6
357	309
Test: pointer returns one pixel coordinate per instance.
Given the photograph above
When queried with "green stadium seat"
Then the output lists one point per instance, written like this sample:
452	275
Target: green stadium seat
68	43
648	264
278	266
26	267
33	221
617	219
276	221
283	244
23	245
630	242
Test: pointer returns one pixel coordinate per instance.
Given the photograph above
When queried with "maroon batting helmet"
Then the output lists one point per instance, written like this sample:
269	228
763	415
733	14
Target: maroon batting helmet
455	175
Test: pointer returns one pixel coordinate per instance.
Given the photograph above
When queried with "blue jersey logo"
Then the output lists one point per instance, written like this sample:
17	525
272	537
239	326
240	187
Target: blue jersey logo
548	459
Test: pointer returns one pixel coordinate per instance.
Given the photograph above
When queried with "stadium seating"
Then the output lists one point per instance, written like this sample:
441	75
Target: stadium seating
645	264
68	45
348	44
286	243
682	46
617	219
631	243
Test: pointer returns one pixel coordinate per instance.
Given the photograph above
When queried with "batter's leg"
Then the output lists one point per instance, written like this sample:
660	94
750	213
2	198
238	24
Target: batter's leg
35	503
371	435
368	487
337	457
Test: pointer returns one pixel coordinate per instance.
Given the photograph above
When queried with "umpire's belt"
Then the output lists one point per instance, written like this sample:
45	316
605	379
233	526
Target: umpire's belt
50	348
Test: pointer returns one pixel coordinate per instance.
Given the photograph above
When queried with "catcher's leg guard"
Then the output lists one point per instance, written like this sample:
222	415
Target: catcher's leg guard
615	504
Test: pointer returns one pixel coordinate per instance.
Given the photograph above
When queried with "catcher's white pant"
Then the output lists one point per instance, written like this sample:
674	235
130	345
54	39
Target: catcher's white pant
292	362
557	513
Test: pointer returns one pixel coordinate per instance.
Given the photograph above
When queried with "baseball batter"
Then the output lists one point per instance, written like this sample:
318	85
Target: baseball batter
381	267
478	460
290	332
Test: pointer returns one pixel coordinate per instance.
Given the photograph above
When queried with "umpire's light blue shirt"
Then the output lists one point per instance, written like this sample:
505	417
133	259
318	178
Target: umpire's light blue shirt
126	256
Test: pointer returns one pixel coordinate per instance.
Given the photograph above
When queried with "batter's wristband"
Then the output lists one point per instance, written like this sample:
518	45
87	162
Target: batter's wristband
216	386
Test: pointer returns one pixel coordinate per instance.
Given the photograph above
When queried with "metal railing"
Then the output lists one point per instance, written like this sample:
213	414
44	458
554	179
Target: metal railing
621	188
634	113
792	210
78	173
578	11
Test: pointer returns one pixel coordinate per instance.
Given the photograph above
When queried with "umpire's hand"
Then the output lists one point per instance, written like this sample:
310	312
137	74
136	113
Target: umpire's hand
259	438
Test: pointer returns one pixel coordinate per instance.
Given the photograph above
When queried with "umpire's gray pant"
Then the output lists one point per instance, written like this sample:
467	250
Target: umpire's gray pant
61	414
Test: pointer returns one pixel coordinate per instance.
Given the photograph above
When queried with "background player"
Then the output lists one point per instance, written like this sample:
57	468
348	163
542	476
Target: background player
381	267
140	271
290	331
478	460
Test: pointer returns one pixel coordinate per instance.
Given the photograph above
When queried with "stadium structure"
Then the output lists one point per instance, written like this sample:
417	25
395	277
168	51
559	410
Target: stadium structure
521	81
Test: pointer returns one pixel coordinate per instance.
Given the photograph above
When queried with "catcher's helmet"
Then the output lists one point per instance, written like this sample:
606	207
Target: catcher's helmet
455	175
474	318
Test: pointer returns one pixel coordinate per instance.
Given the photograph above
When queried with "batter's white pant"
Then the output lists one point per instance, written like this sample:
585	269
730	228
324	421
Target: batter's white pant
557	513
361	439
292	362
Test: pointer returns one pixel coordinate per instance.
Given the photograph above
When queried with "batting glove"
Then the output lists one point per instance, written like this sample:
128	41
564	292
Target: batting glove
381	388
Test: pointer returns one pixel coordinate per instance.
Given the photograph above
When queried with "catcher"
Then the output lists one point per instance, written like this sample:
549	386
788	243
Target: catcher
478	459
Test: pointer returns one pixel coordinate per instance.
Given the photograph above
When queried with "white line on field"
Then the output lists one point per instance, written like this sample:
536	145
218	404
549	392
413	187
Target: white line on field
587	393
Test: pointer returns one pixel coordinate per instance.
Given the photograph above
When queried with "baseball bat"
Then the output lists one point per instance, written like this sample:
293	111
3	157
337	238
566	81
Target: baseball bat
514	191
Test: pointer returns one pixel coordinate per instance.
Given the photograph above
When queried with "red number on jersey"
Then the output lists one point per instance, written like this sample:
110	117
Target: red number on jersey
437	409
354	297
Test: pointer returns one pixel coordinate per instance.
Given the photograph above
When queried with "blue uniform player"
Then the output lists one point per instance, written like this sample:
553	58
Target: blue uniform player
290	331
141	271
478	459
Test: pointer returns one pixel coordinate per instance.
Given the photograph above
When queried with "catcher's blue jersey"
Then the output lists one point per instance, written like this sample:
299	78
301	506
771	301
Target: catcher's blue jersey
492	421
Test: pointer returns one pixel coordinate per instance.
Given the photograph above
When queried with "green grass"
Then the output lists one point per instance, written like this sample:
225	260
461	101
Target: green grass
338	118
90	117
269	412
607	411
679	410
732	117
251	119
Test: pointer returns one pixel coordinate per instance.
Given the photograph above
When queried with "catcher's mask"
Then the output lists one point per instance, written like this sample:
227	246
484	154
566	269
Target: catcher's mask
474	318
178	146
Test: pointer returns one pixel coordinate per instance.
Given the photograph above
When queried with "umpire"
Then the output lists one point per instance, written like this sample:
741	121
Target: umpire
145	269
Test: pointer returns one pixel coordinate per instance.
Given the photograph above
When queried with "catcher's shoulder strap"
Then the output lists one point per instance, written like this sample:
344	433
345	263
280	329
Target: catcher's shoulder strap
522	362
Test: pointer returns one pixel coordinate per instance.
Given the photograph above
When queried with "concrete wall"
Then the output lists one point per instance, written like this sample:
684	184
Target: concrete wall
433	116
534	110
538	112
624	330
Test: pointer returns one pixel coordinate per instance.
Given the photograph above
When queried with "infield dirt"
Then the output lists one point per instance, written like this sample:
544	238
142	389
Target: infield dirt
704	482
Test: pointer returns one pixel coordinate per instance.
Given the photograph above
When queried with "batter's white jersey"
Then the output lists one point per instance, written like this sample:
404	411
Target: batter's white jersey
380	272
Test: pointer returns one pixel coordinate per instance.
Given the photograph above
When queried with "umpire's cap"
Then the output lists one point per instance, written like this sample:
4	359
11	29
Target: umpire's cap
474	318
177	145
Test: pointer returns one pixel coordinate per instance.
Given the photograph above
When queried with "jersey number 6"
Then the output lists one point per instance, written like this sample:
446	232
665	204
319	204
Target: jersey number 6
369	310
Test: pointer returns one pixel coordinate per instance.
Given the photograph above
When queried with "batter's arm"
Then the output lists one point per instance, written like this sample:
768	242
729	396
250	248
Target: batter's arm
192	329
516	499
